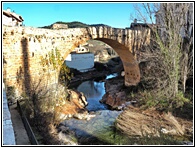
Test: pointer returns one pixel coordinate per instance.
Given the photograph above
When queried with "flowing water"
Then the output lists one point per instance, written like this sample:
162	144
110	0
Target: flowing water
99	130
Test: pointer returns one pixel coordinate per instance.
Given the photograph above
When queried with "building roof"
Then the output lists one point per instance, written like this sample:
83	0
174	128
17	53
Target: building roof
139	25
12	14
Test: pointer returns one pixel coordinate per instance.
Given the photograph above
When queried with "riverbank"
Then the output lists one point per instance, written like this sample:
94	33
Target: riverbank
93	74
89	75
138	121
119	97
120	127
101	129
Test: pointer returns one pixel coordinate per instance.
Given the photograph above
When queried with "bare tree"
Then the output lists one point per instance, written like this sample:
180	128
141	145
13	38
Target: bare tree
169	55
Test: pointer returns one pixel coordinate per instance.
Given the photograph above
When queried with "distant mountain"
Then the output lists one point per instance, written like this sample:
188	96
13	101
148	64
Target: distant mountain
75	24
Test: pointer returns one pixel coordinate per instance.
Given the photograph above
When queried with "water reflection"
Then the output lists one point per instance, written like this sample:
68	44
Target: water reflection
94	92
112	76
99	130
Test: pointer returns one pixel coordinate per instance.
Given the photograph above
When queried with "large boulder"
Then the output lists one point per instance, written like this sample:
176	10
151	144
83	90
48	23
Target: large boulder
102	54
74	104
114	99
115	96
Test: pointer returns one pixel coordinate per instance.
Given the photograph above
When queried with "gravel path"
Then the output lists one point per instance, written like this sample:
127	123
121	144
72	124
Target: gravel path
19	129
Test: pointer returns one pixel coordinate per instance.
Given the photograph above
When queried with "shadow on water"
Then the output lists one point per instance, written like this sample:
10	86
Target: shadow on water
85	138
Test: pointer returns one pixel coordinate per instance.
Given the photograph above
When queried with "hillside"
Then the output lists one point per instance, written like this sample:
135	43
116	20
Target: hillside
74	24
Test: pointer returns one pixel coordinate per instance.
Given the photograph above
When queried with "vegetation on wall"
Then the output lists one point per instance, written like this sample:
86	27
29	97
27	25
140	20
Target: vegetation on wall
40	105
54	61
42	98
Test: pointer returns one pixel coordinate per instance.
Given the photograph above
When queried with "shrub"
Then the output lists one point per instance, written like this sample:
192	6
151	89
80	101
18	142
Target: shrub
161	103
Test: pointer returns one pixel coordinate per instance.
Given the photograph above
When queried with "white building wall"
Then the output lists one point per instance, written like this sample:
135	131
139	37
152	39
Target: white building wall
81	62
68	58
7	20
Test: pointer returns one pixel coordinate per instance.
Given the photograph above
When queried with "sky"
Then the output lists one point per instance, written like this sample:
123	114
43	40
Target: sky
39	14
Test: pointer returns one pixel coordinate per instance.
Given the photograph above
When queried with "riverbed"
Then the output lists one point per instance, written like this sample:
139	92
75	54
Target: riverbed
99	130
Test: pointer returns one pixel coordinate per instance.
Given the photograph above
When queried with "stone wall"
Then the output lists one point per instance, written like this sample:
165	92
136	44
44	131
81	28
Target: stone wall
23	48
22	51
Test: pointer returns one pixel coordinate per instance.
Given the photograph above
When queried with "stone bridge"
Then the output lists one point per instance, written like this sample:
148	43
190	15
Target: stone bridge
23	48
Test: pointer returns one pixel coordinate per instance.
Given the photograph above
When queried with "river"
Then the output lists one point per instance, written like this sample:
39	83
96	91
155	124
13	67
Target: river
94	91
99	130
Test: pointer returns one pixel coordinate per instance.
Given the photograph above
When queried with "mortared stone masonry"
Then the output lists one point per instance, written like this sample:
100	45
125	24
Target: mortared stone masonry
23	48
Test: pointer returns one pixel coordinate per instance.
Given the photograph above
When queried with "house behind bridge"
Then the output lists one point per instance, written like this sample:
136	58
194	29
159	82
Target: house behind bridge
11	18
80	59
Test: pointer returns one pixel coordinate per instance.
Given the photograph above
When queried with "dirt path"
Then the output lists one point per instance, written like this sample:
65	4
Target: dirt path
21	136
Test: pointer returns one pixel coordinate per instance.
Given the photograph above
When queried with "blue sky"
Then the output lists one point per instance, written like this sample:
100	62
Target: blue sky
38	14
114	14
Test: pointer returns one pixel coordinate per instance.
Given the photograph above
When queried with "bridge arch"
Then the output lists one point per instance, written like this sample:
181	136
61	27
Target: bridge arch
131	67
123	41
24	48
